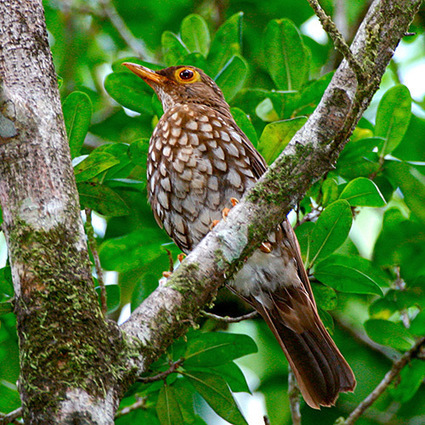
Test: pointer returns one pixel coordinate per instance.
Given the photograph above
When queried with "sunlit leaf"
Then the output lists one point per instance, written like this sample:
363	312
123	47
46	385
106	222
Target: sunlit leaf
96	163
363	192
276	136
330	231
244	123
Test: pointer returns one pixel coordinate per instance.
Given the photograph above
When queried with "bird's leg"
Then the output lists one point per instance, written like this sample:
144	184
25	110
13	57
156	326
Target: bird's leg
224	213
180	257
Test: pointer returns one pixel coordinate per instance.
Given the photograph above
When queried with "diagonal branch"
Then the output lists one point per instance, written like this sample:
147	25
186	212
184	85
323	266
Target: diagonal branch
312	152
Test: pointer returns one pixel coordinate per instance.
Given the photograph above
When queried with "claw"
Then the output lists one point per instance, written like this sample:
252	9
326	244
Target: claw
167	274
266	247
234	201
214	223
181	257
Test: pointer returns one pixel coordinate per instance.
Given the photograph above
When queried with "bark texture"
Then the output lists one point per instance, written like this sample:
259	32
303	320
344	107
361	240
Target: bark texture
68	352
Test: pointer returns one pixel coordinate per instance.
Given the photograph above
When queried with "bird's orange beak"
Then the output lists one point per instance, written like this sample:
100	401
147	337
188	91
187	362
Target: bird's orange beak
146	74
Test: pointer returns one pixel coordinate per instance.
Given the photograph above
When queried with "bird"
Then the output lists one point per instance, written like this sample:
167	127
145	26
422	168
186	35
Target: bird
199	160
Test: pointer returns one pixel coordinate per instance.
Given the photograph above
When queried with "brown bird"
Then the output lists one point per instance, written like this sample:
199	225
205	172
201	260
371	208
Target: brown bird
198	160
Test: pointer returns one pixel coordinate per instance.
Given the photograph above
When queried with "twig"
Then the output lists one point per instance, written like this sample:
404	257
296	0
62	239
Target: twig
228	319
294	398
339	42
266	420
93	248
173	367
136	45
139	403
388	378
170	259
11	417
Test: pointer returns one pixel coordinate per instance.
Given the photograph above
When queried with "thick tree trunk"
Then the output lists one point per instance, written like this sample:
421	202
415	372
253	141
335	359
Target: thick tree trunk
68	351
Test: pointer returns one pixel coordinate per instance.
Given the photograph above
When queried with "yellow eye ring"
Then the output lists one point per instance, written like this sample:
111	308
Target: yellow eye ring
187	75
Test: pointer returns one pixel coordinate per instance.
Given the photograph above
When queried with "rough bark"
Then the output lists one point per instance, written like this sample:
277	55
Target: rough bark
74	364
69	354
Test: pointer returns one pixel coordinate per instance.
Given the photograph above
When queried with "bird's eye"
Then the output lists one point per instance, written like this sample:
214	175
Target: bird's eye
186	74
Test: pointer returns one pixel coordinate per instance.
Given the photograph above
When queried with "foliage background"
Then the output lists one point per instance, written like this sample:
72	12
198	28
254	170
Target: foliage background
364	242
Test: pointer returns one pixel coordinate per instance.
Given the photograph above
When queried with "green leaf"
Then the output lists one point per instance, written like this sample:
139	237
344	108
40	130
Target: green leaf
5	308
330	231
348	274
216	393
417	327
132	250
277	135
233	375
244	123
6	284
411	183
363	192
325	296
113	297
195	34
94	164
329	191
173	48
77	112
226	43
168	408
389	333
392	117
102	199
120	152
232	76
411	378
285	55
130	91
217	348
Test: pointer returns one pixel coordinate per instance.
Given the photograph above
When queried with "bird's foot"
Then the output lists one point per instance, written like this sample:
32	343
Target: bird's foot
224	213
180	258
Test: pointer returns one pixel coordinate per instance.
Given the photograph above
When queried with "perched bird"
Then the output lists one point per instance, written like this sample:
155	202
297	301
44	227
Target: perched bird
199	159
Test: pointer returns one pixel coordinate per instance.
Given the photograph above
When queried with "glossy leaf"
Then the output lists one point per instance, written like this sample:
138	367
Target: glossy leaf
130	91
276	136
77	113
244	123
96	163
329	191
102	199
232	76
392	117
389	333
348	274
212	349
330	231
285	55
168	407
216	393
195	34
417	327
173	48
226	43
363	192
411	183
233	375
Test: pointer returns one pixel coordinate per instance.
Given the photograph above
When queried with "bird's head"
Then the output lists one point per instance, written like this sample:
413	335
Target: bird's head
182	84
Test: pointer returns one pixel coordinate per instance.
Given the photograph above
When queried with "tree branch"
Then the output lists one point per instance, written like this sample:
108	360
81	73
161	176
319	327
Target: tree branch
388	378
169	310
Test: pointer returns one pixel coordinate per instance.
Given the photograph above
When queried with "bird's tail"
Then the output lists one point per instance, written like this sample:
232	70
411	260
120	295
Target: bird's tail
319	367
